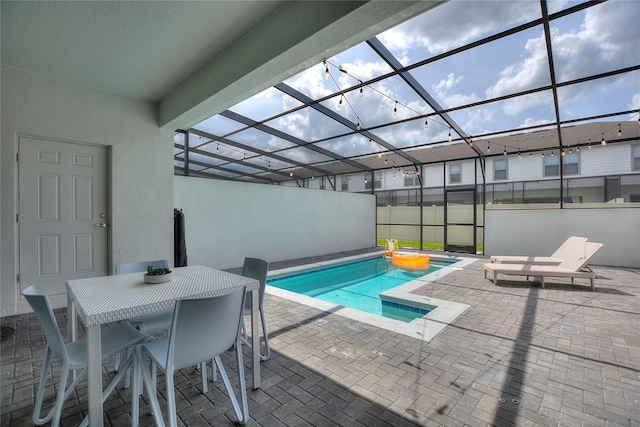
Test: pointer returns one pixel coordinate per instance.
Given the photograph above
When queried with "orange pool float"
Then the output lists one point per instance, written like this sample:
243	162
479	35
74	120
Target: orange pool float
411	261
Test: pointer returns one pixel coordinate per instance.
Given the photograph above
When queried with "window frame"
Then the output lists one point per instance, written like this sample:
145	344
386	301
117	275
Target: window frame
497	162
451	174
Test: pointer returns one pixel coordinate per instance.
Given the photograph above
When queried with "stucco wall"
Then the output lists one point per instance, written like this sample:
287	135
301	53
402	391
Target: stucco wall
141	181
226	221
540	232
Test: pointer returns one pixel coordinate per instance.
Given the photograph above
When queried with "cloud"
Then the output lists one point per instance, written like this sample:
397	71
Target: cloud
635	102
475	19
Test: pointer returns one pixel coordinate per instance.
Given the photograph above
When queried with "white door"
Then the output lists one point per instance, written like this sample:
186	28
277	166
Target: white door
62	213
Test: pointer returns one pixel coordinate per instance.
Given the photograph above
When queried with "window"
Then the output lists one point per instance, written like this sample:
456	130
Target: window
635	155
571	164
500	169
411	181
551	165
378	182
455	173
345	183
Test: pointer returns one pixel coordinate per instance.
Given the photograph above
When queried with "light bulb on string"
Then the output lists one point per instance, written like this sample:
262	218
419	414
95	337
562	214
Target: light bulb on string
426	123
519	155
488	147
269	164
361	94
340	102
577	149
531	155
543	154
562	153
218	147
619	130
449	137
365	179
385	161
551	153
358	125
290	172
504	153
570	150
326	71
604	141
395	109
380	154
244	157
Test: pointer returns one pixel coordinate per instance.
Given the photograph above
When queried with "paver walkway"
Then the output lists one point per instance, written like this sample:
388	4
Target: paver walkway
521	355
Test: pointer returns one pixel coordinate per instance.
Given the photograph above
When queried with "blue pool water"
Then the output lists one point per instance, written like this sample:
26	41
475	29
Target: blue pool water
358	285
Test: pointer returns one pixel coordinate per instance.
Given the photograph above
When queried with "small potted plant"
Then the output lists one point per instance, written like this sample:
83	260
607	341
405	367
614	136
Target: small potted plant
157	275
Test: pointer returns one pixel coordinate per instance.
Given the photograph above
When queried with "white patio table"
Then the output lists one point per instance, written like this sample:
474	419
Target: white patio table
106	299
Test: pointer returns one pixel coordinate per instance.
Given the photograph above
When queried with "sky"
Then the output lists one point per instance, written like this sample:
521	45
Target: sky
598	39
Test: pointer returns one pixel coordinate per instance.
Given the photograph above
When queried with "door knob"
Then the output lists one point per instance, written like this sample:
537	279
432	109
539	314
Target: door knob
101	225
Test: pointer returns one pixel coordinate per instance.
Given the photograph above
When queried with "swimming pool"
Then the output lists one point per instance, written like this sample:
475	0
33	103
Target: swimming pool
423	328
358	285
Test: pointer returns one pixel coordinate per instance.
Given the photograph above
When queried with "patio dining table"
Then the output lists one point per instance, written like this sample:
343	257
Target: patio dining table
101	300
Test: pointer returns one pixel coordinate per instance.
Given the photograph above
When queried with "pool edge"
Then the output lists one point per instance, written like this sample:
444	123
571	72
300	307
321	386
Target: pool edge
424	328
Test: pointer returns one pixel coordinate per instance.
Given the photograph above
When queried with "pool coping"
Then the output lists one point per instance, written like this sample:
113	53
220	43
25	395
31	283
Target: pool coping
424	328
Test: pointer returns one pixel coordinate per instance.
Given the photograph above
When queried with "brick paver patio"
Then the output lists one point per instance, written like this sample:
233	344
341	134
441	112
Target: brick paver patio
521	355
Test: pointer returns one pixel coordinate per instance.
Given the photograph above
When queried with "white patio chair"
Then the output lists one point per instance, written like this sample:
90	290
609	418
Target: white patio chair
201	329
73	355
150	323
256	268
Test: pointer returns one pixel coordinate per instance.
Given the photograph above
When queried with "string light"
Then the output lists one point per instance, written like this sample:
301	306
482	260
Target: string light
577	149
326	70
379	154
340	102
562	153
449	137
290	172
531	155
604	141
358	125
365	179
426	123
269	164
519	155
395	109
543	154
551	153
361	93
619	130
504	153
244	157
218	147
488	147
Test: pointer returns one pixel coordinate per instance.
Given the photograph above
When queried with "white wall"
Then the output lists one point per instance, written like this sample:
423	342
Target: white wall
141	181
540	232
226	221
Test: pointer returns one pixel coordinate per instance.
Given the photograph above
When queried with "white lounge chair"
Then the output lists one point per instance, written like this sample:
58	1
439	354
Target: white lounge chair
570	267
566	249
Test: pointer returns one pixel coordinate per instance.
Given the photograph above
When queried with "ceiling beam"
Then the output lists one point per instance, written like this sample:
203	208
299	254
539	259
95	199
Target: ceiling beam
300	35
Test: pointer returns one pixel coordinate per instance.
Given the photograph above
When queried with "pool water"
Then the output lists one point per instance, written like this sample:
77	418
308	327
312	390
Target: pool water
358	285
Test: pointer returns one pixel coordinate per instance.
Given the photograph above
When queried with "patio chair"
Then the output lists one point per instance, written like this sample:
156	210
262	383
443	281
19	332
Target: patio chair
150	323
201	329
256	268
570	267
73	355
570	245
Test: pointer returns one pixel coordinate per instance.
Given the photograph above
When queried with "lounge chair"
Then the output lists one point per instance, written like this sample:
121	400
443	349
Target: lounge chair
570	267
570	245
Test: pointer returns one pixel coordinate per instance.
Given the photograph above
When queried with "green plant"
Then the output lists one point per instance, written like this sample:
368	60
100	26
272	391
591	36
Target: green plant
157	271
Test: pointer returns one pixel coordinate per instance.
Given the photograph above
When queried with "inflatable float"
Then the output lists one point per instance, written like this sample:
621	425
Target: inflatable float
406	261
410	261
